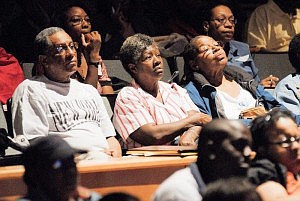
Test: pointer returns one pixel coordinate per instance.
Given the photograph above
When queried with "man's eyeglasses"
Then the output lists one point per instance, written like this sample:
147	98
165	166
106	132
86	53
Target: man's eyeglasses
78	20
287	142
63	48
212	47
223	20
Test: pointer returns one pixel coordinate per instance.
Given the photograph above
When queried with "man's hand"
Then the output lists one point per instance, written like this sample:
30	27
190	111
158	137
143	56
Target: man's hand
270	81
114	149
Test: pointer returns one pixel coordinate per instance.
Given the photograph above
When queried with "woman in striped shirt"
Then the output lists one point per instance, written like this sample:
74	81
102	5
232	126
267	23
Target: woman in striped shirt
152	112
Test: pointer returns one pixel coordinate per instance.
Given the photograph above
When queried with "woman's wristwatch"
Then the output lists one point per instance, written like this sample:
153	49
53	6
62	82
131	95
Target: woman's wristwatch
97	65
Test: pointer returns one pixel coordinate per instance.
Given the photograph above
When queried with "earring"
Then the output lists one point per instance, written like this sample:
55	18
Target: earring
212	157
206	30
209	142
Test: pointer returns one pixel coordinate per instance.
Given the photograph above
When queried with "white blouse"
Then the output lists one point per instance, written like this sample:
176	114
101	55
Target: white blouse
234	105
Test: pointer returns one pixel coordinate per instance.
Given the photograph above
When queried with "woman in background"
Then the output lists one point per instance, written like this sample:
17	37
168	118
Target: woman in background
77	23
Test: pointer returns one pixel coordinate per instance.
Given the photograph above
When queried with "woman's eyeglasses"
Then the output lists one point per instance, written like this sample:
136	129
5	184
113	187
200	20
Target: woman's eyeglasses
78	20
223	20
287	142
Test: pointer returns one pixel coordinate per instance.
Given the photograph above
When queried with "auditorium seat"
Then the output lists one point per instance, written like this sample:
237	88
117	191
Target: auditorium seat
115	69
276	64
27	69
109	103
3	123
180	66
12	156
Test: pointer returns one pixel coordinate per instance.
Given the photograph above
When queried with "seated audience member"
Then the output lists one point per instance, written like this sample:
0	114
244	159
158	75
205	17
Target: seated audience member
133	17
56	104
287	92
119	196
77	23
223	152
51	173
219	90
11	75
272	25
276	142
231	189
152	112
219	23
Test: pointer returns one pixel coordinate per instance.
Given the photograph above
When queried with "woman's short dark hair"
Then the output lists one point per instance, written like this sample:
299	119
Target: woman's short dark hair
59	17
133	48
190	54
206	11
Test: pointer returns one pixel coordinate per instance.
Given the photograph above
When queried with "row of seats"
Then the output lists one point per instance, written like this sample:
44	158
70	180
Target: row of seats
114	69
276	64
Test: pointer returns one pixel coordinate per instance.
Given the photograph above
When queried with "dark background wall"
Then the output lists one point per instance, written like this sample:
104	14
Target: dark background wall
21	20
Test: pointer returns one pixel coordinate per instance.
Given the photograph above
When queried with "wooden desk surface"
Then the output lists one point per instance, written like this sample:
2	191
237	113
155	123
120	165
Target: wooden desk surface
139	176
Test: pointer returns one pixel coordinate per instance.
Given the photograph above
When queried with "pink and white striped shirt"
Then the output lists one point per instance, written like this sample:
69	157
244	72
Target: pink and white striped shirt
134	108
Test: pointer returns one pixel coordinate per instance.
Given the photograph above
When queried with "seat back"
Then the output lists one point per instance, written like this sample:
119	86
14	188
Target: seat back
180	66
167	71
12	156
3	122
115	69
27	69
109	103
276	64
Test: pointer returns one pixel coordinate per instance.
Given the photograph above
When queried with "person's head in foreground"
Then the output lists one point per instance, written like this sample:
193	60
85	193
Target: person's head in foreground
231	189
119	196
223	150
50	170
141	58
276	137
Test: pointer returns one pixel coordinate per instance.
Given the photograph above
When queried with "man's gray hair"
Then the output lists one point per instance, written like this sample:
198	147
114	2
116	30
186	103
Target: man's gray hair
42	42
133	48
